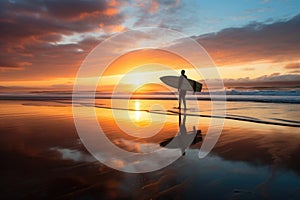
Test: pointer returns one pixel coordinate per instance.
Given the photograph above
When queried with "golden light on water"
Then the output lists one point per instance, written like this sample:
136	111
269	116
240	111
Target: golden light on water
137	112
139	117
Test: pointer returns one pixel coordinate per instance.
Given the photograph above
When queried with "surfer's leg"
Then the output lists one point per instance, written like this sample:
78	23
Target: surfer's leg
183	99
184	103
179	101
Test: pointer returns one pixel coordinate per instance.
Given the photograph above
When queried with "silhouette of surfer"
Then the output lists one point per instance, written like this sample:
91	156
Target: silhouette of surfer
182	92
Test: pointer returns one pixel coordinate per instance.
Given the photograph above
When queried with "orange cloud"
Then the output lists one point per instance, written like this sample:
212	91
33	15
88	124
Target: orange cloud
5	68
293	66
112	3
111	11
111	28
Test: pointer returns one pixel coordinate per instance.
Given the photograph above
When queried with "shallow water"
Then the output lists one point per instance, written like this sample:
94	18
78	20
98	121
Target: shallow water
45	158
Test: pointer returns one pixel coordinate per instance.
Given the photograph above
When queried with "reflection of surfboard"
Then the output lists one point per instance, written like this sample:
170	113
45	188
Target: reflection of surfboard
187	84
182	141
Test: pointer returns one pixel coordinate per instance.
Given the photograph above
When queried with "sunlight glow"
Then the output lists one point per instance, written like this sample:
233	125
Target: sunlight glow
137	112
138	116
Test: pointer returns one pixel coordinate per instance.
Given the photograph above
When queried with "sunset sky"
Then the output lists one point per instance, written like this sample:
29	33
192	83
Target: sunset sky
43	43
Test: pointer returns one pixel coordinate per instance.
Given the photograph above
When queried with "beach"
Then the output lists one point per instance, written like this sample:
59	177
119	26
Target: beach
160	99
45	158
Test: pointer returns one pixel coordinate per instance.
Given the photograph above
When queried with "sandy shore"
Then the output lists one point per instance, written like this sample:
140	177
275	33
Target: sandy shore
44	158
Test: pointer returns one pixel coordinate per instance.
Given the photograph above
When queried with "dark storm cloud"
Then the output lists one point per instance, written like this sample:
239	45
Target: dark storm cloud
275	42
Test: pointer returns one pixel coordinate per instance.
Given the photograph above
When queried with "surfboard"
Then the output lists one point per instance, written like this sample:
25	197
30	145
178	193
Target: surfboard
187	84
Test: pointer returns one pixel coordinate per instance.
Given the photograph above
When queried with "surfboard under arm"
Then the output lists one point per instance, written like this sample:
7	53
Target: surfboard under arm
187	84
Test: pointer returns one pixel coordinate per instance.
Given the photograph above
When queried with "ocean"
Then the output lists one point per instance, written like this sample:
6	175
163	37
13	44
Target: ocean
255	157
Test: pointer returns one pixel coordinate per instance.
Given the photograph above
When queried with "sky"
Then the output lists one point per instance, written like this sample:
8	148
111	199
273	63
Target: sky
44	42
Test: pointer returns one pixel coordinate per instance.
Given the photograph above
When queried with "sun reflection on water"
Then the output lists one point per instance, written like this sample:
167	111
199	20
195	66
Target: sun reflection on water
138	116
137	111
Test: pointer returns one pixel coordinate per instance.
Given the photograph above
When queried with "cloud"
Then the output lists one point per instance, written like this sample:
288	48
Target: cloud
34	45
69	9
274	80
275	42
295	72
292	66
155	12
39	18
153	6
295	67
31	32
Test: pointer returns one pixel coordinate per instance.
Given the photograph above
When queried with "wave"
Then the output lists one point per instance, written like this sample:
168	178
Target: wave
265	96
258	92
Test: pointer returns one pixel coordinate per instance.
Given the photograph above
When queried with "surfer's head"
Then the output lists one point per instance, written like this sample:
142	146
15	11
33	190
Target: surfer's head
183	72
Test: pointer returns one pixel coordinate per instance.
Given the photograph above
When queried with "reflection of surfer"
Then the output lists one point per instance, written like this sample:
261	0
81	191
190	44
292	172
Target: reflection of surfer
182	132
182	92
184	140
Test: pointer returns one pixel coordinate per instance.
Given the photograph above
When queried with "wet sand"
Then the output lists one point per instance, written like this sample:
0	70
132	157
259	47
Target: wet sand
43	157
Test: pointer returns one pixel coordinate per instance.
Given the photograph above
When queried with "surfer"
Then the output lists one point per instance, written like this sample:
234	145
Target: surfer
182	84
182	92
